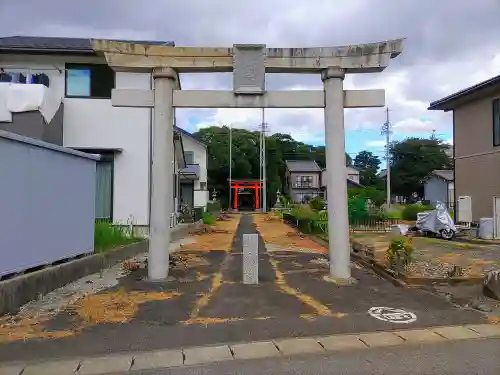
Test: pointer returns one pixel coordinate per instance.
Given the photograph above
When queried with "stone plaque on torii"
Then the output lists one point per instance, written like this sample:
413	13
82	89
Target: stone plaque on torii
249	63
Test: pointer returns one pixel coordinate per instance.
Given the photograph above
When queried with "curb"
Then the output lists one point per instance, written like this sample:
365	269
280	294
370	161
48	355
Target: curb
252	350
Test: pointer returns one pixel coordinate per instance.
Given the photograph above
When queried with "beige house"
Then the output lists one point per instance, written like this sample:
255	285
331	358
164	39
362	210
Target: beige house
305	179
476	146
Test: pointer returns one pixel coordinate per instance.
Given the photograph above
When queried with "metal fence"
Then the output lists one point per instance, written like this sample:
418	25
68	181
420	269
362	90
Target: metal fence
47	200
372	224
355	225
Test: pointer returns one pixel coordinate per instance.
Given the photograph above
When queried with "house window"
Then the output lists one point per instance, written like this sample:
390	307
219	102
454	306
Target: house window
189	156
104	188
496	122
303	181
89	81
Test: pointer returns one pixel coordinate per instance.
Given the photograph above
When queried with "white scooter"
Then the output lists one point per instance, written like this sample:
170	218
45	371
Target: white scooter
437	222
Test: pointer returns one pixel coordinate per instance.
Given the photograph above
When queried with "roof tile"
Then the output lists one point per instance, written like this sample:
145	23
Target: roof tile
302	166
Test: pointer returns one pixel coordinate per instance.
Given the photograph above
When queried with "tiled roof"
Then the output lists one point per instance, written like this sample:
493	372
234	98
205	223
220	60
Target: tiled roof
302	166
446	174
59	44
188	134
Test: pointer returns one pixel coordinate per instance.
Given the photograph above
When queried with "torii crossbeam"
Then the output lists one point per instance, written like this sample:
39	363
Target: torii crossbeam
249	63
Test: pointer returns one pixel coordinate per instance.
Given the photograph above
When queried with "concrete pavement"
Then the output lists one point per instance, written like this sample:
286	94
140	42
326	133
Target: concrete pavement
207	304
279	348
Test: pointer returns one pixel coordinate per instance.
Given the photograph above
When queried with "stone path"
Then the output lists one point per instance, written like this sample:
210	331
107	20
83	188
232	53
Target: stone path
207	304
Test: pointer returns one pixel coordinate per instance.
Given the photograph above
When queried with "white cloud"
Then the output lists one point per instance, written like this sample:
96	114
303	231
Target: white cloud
414	125
439	57
375	144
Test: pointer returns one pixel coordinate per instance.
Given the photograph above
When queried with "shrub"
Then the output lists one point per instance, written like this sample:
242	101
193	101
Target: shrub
400	253
108	236
317	203
376	196
302	212
306	199
285	200
323	215
208	218
410	211
357	209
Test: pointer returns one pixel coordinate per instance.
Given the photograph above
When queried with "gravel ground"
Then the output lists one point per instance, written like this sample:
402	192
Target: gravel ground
429	269
50	304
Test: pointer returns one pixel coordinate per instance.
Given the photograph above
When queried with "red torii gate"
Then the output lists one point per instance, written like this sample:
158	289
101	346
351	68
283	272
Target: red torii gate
236	185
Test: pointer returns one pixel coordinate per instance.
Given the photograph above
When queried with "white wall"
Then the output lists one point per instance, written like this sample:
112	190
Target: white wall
200	157
353	174
94	123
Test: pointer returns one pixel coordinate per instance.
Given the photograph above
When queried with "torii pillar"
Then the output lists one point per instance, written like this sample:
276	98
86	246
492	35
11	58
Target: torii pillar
249	63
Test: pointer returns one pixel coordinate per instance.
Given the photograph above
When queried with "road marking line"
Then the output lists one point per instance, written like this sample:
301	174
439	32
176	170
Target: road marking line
205	298
306	299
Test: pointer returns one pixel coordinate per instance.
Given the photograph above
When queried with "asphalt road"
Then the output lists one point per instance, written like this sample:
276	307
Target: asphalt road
455	358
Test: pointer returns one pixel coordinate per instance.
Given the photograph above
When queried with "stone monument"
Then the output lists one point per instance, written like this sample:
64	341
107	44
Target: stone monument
277	205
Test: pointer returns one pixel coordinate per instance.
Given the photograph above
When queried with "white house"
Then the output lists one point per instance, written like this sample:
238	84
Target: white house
74	110
193	178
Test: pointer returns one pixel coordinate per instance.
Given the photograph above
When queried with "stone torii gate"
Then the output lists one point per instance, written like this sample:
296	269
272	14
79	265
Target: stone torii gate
249	63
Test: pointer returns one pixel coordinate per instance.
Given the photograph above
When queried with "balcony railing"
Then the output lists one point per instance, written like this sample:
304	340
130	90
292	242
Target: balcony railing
305	185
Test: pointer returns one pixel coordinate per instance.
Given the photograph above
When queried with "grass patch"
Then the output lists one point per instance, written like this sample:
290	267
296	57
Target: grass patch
108	236
393	214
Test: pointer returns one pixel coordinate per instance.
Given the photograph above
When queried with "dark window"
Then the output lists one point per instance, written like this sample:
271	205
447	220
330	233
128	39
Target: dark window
89	80
189	156
496	122
104	188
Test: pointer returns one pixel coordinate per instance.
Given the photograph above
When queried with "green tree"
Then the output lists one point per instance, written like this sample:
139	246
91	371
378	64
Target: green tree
412	162
372	193
368	165
245	158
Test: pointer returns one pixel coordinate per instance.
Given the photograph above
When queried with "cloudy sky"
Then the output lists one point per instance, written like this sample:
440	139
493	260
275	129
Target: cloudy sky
450	44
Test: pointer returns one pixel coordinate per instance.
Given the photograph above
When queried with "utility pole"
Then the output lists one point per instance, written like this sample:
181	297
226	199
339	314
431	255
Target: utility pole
263	174
264	161
260	190
230	166
386	129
